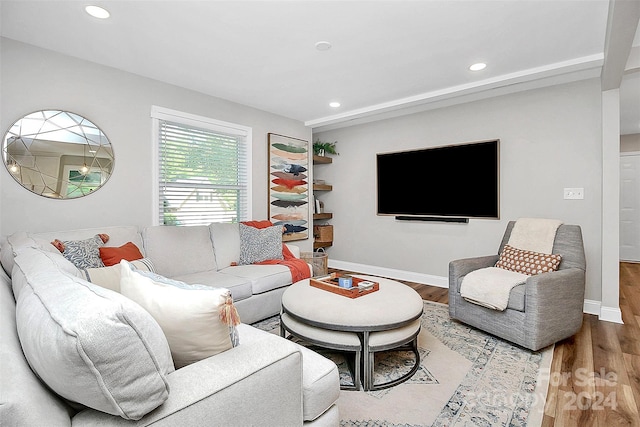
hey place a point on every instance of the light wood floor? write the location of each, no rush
(595, 375)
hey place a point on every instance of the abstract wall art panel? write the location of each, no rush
(289, 185)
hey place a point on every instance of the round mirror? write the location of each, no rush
(57, 154)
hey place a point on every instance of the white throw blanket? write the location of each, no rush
(534, 234)
(490, 287)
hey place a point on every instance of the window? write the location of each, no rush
(203, 172)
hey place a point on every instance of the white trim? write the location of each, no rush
(591, 307)
(592, 64)
(162, 113)
(200, 121)
(611, 314)
(629, 153)
(155, 191)
(249, 140)
(409, 276)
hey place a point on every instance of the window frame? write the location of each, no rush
(161, 113)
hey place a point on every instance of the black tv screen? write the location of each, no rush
(455, 181)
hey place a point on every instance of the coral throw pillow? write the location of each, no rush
(527, 262)
(112, 256)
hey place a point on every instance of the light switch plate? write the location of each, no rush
(574, 193)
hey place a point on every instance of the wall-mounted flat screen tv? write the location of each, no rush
(450, 182)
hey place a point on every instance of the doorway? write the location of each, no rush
(630, 206)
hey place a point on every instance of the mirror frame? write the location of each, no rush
(58, 154)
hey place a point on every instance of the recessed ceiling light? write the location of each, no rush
(479, 66)
(334, 104)
(322, 45)
(97, 12)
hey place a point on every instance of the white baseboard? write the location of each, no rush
(592, 307)
(409, 276)
(609, 314)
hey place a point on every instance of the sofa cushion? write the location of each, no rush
(320, 378)
(118, 235)
(179, 250)
(240, 287)
(260, 244)
(90, 345)
(263, 278)
(13, 243)
(189, 315)
(24, 399)
(226, 243)
(54, 258)
(113, 256)
(109, 277)
(517, 298)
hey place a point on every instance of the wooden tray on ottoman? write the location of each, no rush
(330, 284)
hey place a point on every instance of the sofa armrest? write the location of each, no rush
(251, 383)
(461, 267)
(295, 250)
(553, 306)
(553, 291)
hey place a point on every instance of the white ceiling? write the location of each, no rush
(385, 55)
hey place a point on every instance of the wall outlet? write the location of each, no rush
(574, 193)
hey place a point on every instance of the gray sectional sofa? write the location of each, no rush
(64, 340)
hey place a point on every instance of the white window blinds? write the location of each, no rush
(203, 175)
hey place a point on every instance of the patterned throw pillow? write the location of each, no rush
(260, 244)
(83, 253)
(527, 262)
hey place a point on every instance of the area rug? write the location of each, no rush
(466, 378)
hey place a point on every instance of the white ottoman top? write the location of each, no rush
(393, 305)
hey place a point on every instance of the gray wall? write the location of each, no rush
(120, 104)
(550, 139)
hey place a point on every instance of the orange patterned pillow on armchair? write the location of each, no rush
(527, 262)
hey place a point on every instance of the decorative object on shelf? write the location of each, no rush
(57, 154)
(322, 148)
(320, 215)
(289, 185)
(323, 232)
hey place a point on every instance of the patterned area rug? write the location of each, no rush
(465, 378)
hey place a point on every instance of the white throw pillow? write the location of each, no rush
(109, 277)
(189, 315)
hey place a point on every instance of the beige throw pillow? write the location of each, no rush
(189, 315)
(109, 277)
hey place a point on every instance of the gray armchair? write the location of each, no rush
(545, 309)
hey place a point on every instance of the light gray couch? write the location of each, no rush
(110, 351)
(545, 309)
(201, 254)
